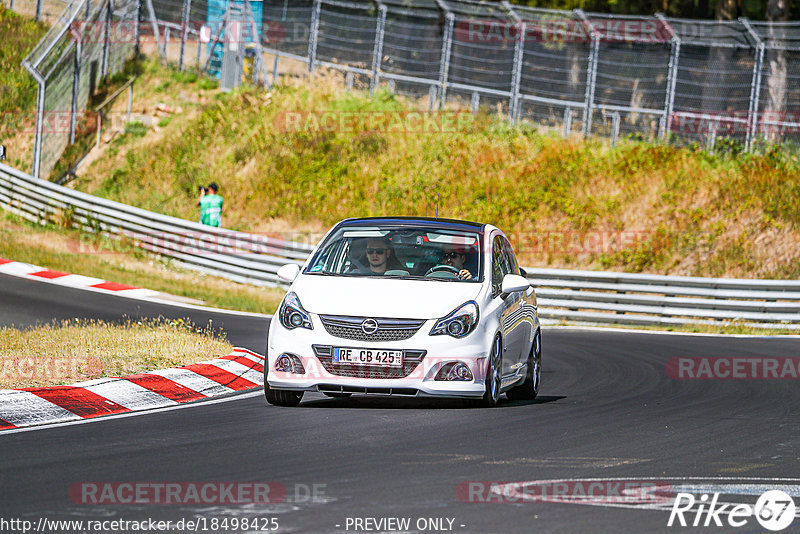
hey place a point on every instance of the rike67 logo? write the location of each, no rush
(774, 510)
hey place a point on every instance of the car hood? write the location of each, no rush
(382, 297)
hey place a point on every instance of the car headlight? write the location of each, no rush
(459, 323)
(292, 315)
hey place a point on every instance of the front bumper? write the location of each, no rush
(310, 346)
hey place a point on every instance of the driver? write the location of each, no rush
(457, 257)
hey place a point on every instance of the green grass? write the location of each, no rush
(702, 214)
(18, 36)
(75, 252)
(135, 129)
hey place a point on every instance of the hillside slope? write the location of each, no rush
(18, 36)
(565, 202)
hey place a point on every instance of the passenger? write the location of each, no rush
(457, 257)
(380, 256)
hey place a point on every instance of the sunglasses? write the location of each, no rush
(451, 255)
(376, 250)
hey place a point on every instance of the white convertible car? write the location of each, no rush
(406, 306)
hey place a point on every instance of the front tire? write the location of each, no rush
(529, 389)
(282, 397)
(494, 369)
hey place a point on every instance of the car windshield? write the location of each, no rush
(401, 251)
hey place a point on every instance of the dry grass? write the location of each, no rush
(691, 213)
(71, 351)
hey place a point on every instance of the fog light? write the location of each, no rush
(455, 371)
(289, 363)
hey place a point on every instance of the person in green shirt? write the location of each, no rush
(210, 205)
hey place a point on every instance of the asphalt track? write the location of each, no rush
(607, 409)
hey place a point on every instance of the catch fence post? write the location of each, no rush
(76, 76)
(519, 51)
(377, 51)
(275, 69)
(444, 64)
(516, 77)
(137, 28)
(591, 73)
(187, 8)
(615, 119)
(37, 141)
(475, 102)
(672, 78)
(107, 37)
(755, 86)
(314, 35)
(567, 131)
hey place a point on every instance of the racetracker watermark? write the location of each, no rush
(557, 30)
(175, 493)
(124, 31)
(734, 122)
(26, 369)
(587, 242)
(197, 243)
(204, 493)
(734, 368)
(401, 122)
(567, 491)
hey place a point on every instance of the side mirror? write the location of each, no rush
(289, 272)
(513, 283)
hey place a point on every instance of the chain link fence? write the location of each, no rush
(87, 41)
(714, 83)
(654, 78)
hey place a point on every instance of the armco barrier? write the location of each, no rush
(584, 296)
(644, 299)
(238, 256)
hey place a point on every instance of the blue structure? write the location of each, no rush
(216, 10)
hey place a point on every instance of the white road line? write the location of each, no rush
(190, 379)
(24, 408)
(134, 293)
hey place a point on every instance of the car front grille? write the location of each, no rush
(388, 329)
(411, 359)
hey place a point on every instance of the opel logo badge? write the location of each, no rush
(369, 326)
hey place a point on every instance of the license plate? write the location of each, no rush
(378, 357)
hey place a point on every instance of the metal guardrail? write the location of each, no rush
(239, 256)
(584, 296)
(642, 299)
